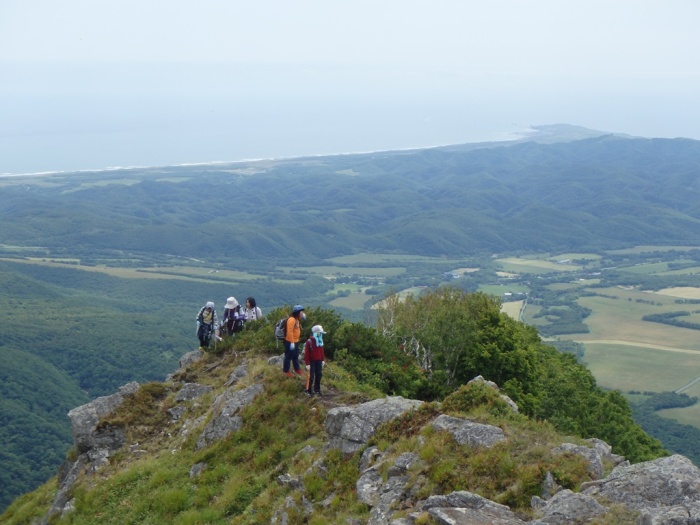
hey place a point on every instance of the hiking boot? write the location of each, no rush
(288, 374)
(308, 393)
(298, 372)
(319, 394)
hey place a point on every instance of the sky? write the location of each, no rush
(94, 84)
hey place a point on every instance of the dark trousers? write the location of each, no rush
(204, 335)
(290, 356)
(315, 373)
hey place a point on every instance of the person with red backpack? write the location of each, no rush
(315, 360)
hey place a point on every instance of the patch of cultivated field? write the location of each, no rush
(330, 271)
(576, 256)
(627, 367)
(682, 292)
(618, 317)
(415, 291)
(461, 271)
(649, 249)
(646, 269)
(512, 309)
(177, 273)
(521, 265)
(377, 258)
(572, 285)
(687, 415)
(499, 289)
(684, 271)
(354, 301)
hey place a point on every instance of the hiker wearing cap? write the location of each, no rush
(315, 360)
(233, 317)
(291, 341)
(206, 322)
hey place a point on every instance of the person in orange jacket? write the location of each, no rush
(291, 341)
(315, 360)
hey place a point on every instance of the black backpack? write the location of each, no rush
(237, 325)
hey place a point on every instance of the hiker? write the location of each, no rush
(291, 341)
(252, 310)
(315, 360)
(206, 323)
(233, 317)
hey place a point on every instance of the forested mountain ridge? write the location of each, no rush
(602, 192)
(88, 333)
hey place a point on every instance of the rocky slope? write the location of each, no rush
(388, 445)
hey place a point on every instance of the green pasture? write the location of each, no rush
(203, 273)
(383, 258)
(686, 416)
(517, 265)
(187, 273)
(619, 318)
(626, 367)
(338, 270)
(499, 289)
(512, 308)
(575, 256)
(346, 287)
(354, 301)
(646, 269)
(684, 271)
(648, 249)
(529, 313)
(572, 285)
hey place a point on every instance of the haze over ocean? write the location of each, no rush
(91, 85)
(204, 114)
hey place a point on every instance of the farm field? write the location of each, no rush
(383, 258)
(628, 367)
(623, 351)
(326, 271)
(541, 266)
(619, 318)
(513, 308)
(687, 416)
(193, 273)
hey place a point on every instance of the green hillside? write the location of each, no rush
(335, 231)
(557, 397)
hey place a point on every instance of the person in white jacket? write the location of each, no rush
(252, 310)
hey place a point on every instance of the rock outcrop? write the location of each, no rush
(664, 491)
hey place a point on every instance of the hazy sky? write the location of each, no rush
(96, 83)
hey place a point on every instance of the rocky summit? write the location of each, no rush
(384, 449)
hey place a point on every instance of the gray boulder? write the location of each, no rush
(569, 508)
(191, 391)
(467, 432)
(226, 408)
(664, 482)
(368, 486)
(190, 357)
(467, 508)
(84, 419)
(390, 496)
(350, 427)
(238, 373)
(596, 469)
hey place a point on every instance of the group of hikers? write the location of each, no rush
(235, 316)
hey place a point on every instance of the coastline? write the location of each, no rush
(507, 137)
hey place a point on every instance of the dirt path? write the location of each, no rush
(643, 345)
